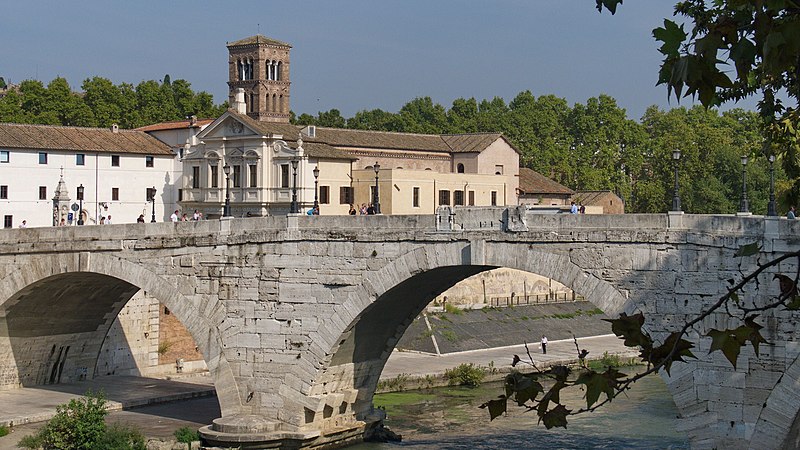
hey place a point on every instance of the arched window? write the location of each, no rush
(460, 168)
(251, 161)
(280, 103)
(240, 69)
(274, 102)
(280, 69)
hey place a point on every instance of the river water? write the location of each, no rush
(449, 418)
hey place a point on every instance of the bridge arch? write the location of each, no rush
(42, 274)
(389, 299)
(778, 424)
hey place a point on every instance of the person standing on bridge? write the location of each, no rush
(544, 344)
(792, 214)
(573, 209)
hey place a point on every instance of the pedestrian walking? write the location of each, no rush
(573, 209)
(792, 214)
(174, 217)
(544, 344)
(108, 220)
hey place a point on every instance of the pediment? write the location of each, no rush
(227, 126)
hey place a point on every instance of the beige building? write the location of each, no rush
(536, 189)
(271, 162)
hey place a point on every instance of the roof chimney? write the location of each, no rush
(193, 121)
(238, 101)
(114, 128)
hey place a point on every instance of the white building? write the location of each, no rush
(115, 168)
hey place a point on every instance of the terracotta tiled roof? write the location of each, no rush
(470, 143)
(288, 131)
(387, 140)
(258, 39)
(49, 137)
(532, 182)
(325, 151)
(176, 125)
(339, 137)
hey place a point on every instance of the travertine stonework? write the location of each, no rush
(296, 316)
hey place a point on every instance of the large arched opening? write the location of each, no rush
(392, 297)
(57, 310)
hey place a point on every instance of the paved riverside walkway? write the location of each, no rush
(37, 404)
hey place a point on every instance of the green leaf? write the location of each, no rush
(610, 5)
(630, 329)
(599, 383)
(523, 387)
(661, 354)
(556, 417)
(496, 407)
(726, 341)
(671, 35)
(748, 250)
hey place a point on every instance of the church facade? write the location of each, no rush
(261, 164)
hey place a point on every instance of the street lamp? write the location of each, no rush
(80, 209)
(153, 199)
(316, 184)
(293, 209)
(744, 205)
(226, 211)
(676, 200)
(376, 204)
(771, 210)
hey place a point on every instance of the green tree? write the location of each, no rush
(421, 115)
(104, 99)
(734, 50)
(376, 119)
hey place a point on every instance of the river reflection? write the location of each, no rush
(450, 418)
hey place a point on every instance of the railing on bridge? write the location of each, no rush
(535, 299)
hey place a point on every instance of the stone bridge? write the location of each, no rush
(296, 316)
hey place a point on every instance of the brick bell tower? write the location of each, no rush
(260, 66)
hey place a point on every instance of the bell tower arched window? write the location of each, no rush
(460, 168)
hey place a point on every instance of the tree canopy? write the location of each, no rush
(102, 103)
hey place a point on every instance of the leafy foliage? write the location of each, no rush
(732, 50)
(102, 103)
(465, 375)
(186, 435)
(79, 424)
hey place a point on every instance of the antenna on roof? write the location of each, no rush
(258, 28)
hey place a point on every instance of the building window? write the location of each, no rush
(42, 192)
(180, 195)
(494, 198)
(253, 174)
(471, 198)
(345, 195)
(214, 170)
(325, 195)
(80, 159)
(114, 160)
(415, 198)
(460, 168)
(284, 175)
(195, 177)
(114, 194)
(498, 169)
(4, 192)
(444, 197)
(458, 198)
(5, 156)
(42, 158)
(148, 161)
(8, 221)
(237, 176)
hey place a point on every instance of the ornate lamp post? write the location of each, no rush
(153, 199)
(80, 199)
(376, 197)
(316, 185)
(771, 210)
(226, 211)
(293, 209)
(744, 206)
(676, 200)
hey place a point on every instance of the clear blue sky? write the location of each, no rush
(350, 54)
